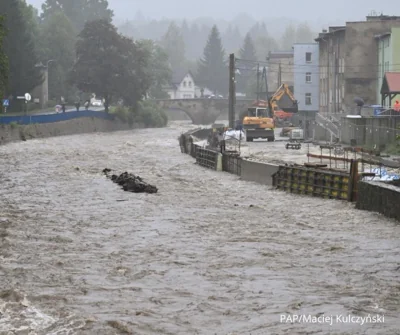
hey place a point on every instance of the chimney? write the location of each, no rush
(324, 30)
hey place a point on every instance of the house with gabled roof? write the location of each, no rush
(182, 85)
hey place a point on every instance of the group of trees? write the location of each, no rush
(211, 66)
(83, 51)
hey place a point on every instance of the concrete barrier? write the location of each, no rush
(258, 172)
(379, 196)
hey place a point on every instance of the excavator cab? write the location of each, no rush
(283, 112)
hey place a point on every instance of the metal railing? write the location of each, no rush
(329, 125)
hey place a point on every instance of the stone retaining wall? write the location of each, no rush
(14, 132)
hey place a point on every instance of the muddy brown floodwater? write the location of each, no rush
(208, 254)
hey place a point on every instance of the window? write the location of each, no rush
(386, 66)
(308, 99)
(190, 84)
(184, 84)
(308, 77)
(187, 96)
(308, 57)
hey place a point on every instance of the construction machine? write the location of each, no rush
(282, 114)
(259, 121)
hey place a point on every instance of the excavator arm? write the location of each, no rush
(280, 92)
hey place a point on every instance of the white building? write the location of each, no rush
(306, 76)
(182, 86)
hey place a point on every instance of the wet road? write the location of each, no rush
(207, 255)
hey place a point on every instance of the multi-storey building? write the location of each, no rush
(306, 76)
(348, 60)
(388, 60)
(280, 69)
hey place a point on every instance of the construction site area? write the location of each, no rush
(270, 143)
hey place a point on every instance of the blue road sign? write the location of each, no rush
(6, 103)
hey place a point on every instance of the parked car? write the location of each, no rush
(215, 97)
(97, 103)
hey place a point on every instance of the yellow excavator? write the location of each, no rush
(282, 114)
(258, 122)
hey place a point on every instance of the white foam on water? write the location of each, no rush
(22, 316)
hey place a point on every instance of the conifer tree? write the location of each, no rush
(212, 68)
(248, 51)
(174, 45)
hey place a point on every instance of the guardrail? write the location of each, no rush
(52, 118)
(328, 125)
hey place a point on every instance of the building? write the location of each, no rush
(388, 59)
(182, 86)
(348, 60)
(306, 76)
(280, 70)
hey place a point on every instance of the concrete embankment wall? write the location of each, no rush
(258, 172)
(380, 197)
(13, 132)
(370, 131)
(372, 196)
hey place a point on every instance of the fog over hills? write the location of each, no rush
(316, 12)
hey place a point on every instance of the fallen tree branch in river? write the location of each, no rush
(130, 182)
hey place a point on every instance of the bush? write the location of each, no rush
(151, 115)
(147, 113)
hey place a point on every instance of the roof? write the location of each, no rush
(281, 54)
(391, 83)
(383, 35)
(332, 31)
(178, 75)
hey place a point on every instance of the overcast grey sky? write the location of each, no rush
(313, 10)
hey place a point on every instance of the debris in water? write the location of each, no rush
(130, 182)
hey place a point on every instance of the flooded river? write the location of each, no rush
(208, 254)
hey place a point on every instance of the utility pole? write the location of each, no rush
(258, 81)
(334, 82)
(328, 79)
(280, 75)
(232, 91)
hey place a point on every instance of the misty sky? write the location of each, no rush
(313, 10)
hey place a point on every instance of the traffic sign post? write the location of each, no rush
(6, 103)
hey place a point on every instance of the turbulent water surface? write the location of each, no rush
(208, 254)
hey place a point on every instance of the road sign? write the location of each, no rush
(28, 97)
(6, 103)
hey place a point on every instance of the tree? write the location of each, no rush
(248, 55)
(78, 11)
(160, 71)
(3, 60)
(19, 47)
(110, 65)
(174, 45)
(232, 39)
(248, 51)
(57, 44)
(212, 68)
(264, 45)
(288, 38)
(304, 34)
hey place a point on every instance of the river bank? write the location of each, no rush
(14, 132)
